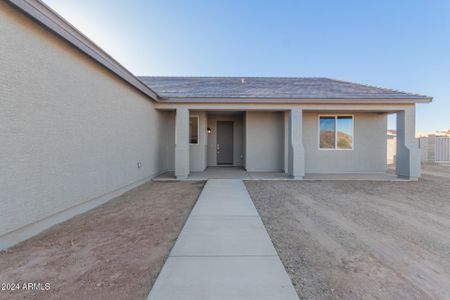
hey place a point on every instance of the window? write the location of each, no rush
(193, 130)
(327, 132)
(336, 132)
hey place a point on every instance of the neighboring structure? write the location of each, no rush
(435, 148)
(391, 146)
(433, 132)
(79, 129)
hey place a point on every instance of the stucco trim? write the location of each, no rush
(332, 108)
(49, 18)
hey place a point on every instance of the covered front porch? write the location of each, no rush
(257, 142)
(285, 142)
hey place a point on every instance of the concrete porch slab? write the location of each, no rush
(240, 173)
(226, 173)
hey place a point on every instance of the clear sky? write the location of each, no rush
(401, 44)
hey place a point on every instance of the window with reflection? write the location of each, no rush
(336, 132)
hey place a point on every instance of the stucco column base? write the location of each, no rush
(182, 143)
(408, 152)
(296, 159)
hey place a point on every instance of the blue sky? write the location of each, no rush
(401, 44)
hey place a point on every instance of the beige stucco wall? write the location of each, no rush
(264, 141)
(369, 153)
(71, 132)
(168, 139)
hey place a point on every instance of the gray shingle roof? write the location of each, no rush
(268, 87)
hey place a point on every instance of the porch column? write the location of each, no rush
(296, 152)
(182, 143)
(408, 152)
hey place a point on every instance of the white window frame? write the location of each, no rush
(198, 130)
(335, 132)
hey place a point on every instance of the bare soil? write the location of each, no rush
(114, 251)
(361, 239)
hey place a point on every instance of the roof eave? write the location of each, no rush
(43, 14)
(296, 100)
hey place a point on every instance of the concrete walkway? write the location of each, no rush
(223, 252)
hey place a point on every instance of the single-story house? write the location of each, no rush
(77, 128)
(293, 125)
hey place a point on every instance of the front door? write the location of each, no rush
(224, 142)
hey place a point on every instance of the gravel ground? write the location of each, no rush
(114, 251)
(440, 170)
(361, 239)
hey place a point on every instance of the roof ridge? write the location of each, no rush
(262, 77)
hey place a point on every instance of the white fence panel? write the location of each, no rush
(442, 149)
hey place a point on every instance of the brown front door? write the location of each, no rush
(224, 142)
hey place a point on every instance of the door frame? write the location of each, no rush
(232, 143)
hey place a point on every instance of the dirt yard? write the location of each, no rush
(361, 239)
(114, 251)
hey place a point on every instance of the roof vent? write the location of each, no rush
(242, 80)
